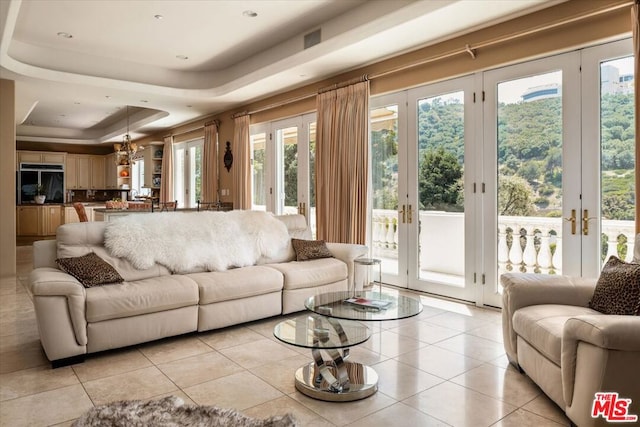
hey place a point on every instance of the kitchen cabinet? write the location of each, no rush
(70, 214)
(38, 220)
(39, 157)
(78, 171)
(110, 172)
(97, 168)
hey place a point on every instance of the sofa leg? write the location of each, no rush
(60, 363)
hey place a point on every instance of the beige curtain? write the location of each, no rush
(210, 164)
(342, 163)
(241, 168)
(166, 180)
(635, 28)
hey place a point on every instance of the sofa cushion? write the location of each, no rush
(542, 325)
(618, 288)
(310, 249)
(217, 286)
(308, 274)
(140, 297)
(90, 270)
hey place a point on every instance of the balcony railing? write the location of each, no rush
(525, 244)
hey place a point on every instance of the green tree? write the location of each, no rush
(384, 161)
(514, 196)
(440, 181)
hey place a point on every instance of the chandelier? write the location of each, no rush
(126, 151)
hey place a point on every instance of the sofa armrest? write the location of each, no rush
(45, 253)
(602, 350)
(526, 289)
(347, 252)
(52, 284)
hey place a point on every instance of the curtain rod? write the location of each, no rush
(467, 49)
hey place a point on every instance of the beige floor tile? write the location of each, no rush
(10, 286)
(286, 405)
(365, 356)
(400, 381)
(110, 363)
(547, 408)
(35, 380)
(25, 357)
(427, 332)
(508, 384)
(199, 369)
(265, 327)
(172, 349)
(398, 415)
(238, 391)
(460, 406)
(47, 408)
(391, 344)
(17, 302)
(501, 361)
(491, 331)
(28, 336)
(229, 337)
(522, 418)
(141, 384)
(458, 321)
(257, 353)
(19, 324)
(472, 346)
(281, 374)
(440, 362)
(346, 412)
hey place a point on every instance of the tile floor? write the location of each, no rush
(445, 367)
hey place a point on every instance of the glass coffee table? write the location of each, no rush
(333, 324)
(336, 379)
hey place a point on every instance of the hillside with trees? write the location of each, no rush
(529, 157)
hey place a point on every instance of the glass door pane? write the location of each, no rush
(287, 143)
(441, 216)
(617, 160)
(258, 143)
(530, 174)
(311, 176)
(384, 172)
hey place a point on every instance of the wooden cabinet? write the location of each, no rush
(97, 167)
(27, 221)
(39, 157)
(38, 220)
(70, 214)
(153, 165)
(78, 171)
(110, 172)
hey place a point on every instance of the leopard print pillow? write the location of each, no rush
(310, 249)
(90, 270)
(618, 288)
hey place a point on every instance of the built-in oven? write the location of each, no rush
(48, 175)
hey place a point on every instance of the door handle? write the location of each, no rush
(410, 215)
(572, 220)
(404, 213)
(585, 221)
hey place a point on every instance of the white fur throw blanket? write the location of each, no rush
(194, 241)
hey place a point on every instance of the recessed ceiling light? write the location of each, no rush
(189, 106)
(144, 100)
(249, 14)
(183, 57)
(107, 96)
(65, 35)
(158, 17)
(76, 103)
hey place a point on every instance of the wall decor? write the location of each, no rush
(228, 157)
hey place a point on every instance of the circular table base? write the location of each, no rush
(363, 382)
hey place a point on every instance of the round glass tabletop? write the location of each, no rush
(364, 306)
(320, 332)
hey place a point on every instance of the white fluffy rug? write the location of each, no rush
(191, 241)
(171, 412)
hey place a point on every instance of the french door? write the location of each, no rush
(526, 168)
(187, 172)
(282, 161)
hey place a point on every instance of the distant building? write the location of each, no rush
(542, 92)
(612, 82)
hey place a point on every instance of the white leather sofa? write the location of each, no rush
(568, 349)
(153, 303)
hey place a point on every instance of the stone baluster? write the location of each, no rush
(503, 249)
(515, 252)
(631, 240)
(557, 256)
(544, 255)
(529, 254)
(612, 243)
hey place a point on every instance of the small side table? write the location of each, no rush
(360, 263)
